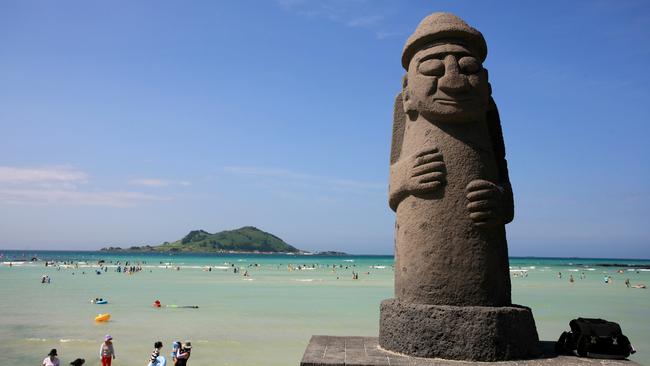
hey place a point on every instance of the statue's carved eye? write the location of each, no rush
(469, 65)
(431, 67)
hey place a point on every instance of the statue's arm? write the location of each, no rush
(490, 203)
(498, 146)
(421, 172)
(398, 184)
(507, 203)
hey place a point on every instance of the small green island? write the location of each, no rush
(247, 239)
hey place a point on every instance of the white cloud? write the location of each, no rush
(364, 21)
(60, 185)
(155, 182)
(313, 180)
(385, 35)
(71, 197)
(9, 174)
(352, 13)
(290, 4)
(150, 182)
(252, 170)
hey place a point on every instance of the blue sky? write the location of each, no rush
(128, 123)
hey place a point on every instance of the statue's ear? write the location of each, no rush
(487, 77)
(399, 124)
(409, 108)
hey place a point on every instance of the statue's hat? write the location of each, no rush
(439, 27)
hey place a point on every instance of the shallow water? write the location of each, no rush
(268, 317)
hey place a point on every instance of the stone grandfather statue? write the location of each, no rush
(450, 190)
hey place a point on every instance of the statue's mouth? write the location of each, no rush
(453, 101)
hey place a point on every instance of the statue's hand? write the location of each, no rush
(485, 201)
(426, 172)
(420, 173)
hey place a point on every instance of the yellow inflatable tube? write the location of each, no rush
(102, 317)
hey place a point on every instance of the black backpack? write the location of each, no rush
(595, 338)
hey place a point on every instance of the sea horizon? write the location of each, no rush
(127, 252)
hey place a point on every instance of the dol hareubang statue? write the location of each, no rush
(450, 190)
(449, 180)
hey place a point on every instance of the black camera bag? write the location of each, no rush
(594, 338)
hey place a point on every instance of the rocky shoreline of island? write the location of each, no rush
(145, 249)
(245, 240)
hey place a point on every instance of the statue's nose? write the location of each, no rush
(453, 81)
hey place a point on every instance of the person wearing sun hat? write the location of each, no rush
(106, 351)
(183, 354)
(51, 359)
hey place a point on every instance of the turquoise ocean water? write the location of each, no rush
(267, 317)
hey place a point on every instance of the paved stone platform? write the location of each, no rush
(365, 351)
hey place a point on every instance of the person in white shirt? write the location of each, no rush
(51, 359)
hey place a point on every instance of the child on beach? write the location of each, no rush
(51, 359)
(106, 351)
(156, 352)
(175, 347)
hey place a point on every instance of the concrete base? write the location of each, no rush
(472, 333)
(365, 351)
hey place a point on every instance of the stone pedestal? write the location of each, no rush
(477, 333)
(365, 351)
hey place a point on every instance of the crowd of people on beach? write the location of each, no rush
(180, 354)
(129, 268)
(607, 279)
